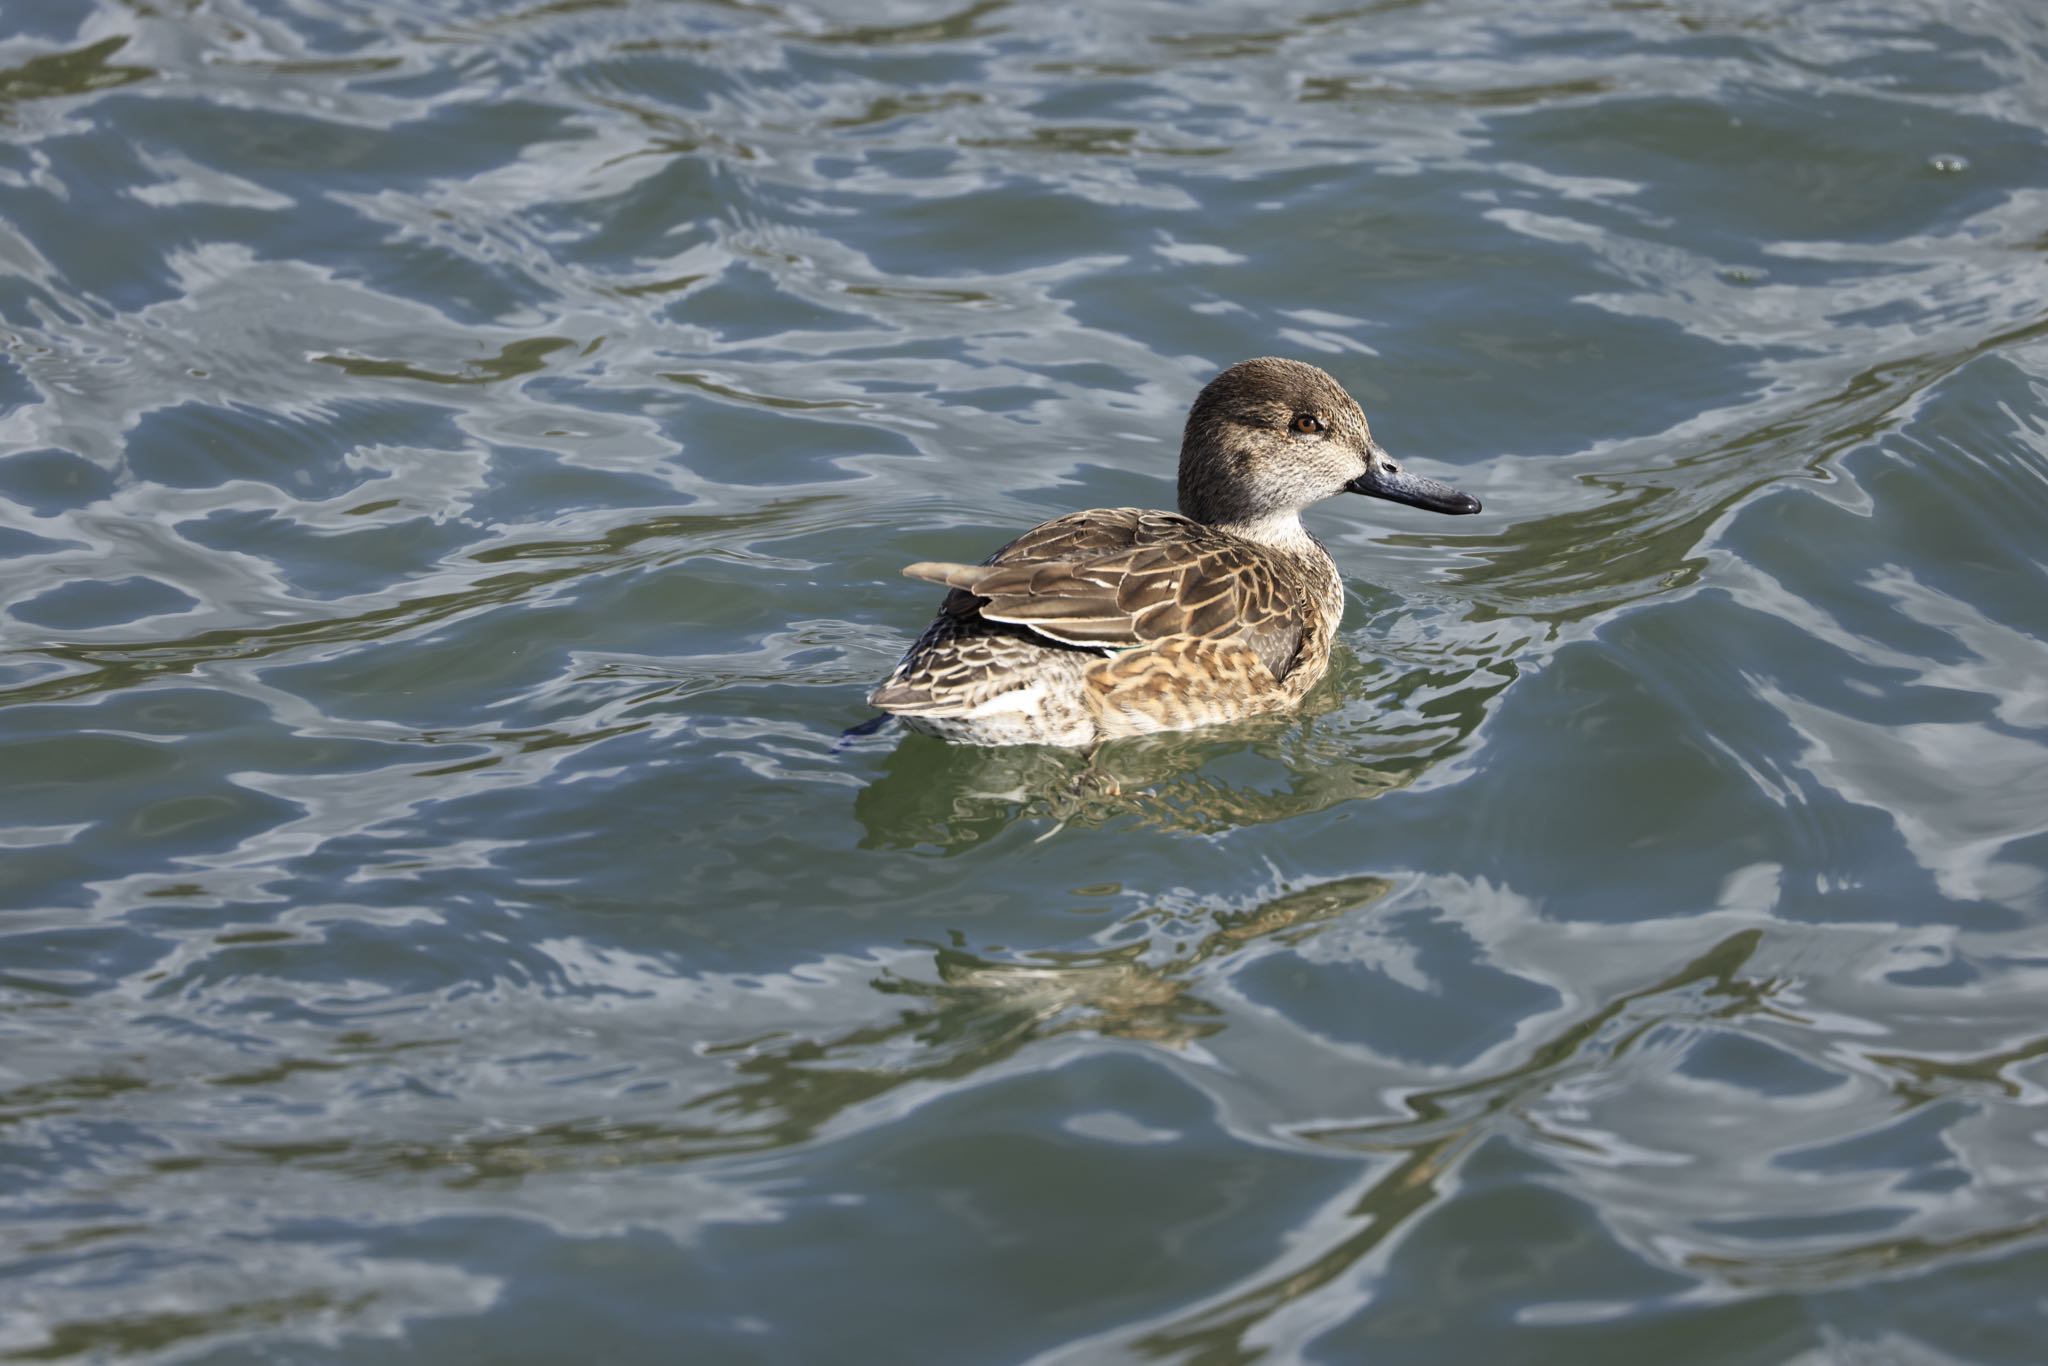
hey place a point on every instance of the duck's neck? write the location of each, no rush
(1280, 530)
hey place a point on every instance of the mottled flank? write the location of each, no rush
(1123, 621)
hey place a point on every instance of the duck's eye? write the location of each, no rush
(1308, 424)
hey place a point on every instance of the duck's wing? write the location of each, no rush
(1112, 578)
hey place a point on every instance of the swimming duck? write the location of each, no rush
(1126, 621)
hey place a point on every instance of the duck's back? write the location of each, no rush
(1115, 621)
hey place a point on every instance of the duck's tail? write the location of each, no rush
(943, 572)
(861, 731)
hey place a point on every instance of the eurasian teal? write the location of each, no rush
(1124, 621)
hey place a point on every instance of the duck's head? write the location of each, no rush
(1268, 437)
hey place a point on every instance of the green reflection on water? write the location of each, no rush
(526, 357)
(79, 72)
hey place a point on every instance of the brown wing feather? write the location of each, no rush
(1112, 578)
(963, 660)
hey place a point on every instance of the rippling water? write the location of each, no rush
(454, 464)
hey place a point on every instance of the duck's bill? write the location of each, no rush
(1397, 485)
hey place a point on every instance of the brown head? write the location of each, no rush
(1268, 437)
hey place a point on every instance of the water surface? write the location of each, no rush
(455, 461)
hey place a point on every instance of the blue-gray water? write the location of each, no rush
(454, 464)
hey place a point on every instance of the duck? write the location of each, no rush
(1115, 622)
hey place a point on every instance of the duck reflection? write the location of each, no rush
(974, 1013)
(1115, 992)
(981, 1011)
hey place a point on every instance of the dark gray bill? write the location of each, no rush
(1393, 482)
